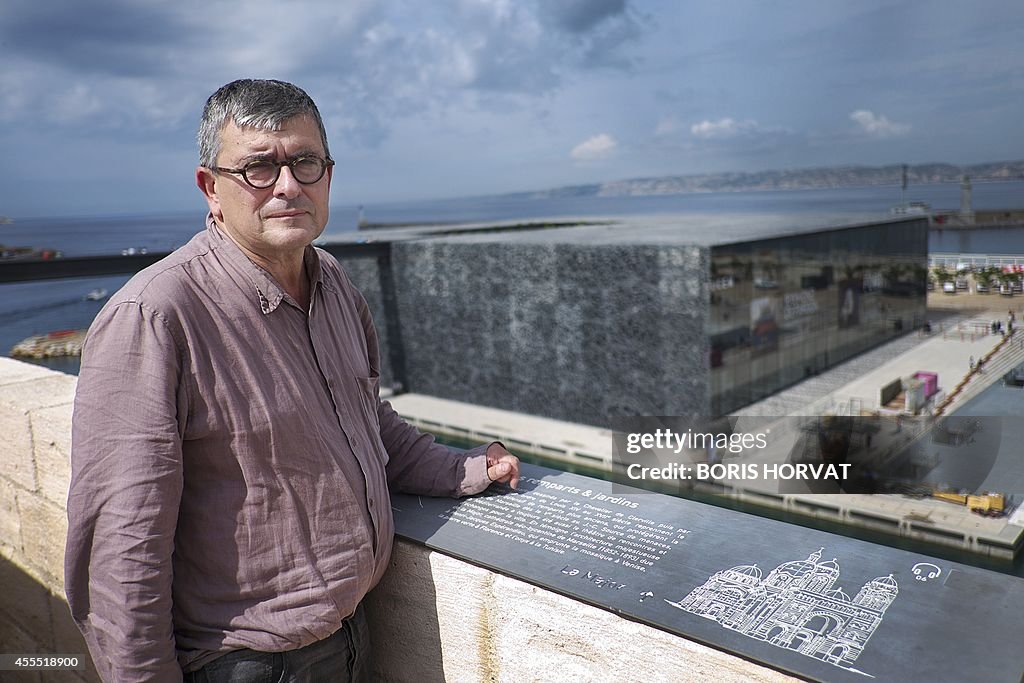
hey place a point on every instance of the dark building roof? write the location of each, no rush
(705, 230)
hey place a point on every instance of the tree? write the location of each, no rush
(941, 275)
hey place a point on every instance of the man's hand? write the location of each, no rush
(502, 466)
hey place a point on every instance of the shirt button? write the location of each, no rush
(371, 502)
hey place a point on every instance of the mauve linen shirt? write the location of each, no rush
(230, 464)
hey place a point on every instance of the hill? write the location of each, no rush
(794, 179)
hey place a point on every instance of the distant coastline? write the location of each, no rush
(4, 220)
(833, 177)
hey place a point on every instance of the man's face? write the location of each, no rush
(283, 218)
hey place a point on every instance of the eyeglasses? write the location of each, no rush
(264, 173)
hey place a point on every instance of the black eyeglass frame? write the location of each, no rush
(290, 163)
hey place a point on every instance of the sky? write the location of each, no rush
(99, 100)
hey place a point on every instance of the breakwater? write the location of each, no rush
(52, 345)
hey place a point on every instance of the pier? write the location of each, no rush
(51, 345)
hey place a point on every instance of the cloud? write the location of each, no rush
(727, 128)
(530, 46)
(106, 36)
(878, 126)
(368, 63)
(595, 148)
(666, 126)
(579, 16)
(595, 31)
(79, 102)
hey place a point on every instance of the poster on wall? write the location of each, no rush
(764, 329)
(800, 311)
(849, 302)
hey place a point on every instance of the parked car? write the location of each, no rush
(948, 287)
(980, 287)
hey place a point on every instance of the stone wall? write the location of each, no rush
(572, 331)
(35, 443)
(441, 619)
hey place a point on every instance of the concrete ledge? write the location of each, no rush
(44, 528)
(434, 618)
(51, 450)
(34, 619)
(35, 442)
(442, 619)
(10, 521)
(16, 440)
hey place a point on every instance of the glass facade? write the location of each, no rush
(784, 309)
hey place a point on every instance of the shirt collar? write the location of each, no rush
(268, 293)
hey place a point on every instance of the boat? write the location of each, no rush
(911, 209)
(97, 294)
(27, 253)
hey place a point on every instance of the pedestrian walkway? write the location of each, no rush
(1005, 358)
(947, 351)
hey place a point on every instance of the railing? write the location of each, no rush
(27, 270)
(974, 260)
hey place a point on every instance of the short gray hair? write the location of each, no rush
(254, 103)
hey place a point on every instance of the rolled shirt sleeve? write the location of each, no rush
(126, 484)
(417, 464)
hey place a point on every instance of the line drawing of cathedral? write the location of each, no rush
(796, 607)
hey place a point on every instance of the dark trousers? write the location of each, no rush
(344, 657)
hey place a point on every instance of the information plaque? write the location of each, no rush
(807, 602)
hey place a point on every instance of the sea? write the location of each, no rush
(31, 308)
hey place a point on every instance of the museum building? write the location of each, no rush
(692, 315)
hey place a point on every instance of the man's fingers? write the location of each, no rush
(498, 471)
(505, 471)
(502, 466)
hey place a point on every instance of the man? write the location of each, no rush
(231, 457)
